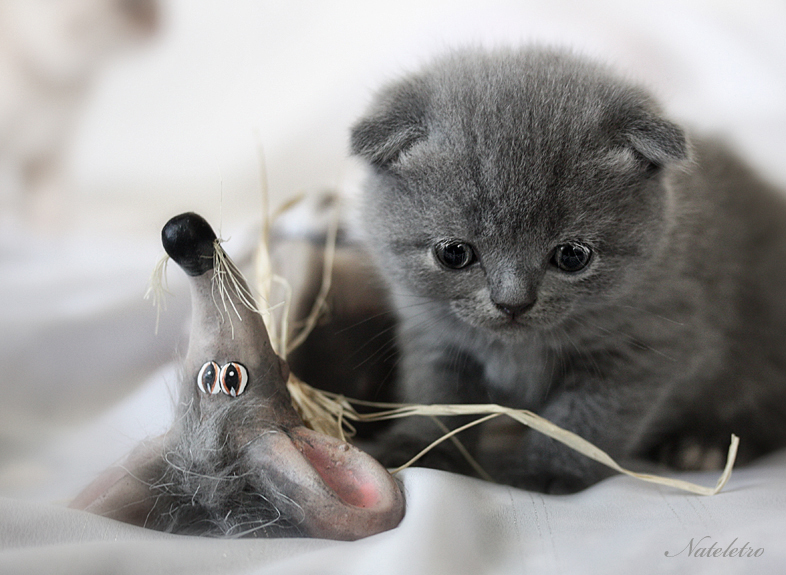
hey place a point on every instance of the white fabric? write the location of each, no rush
(83, 377)
(453, 525)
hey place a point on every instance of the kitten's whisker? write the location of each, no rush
(583, 353)
(372, 339)
(628, 338)
(392, 346)
(383, 349)
(365, 320)
(651, 313)
(378, 315)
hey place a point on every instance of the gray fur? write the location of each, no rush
(209, 485)
(675, 333)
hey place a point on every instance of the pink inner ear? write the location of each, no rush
(343, 492)
(341, 470)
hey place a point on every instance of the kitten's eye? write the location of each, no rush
(207, 379)
(454, 254)
(234, 378)
(572, 257)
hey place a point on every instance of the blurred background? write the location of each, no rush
(181, 120)
(118, 114)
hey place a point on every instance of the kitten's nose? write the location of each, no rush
(514, 310)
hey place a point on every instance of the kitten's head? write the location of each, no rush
(518, 188)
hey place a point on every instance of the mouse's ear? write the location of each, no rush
(125, 492)
(395, 122)
(658, 141)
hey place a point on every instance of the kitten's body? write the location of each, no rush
(674, 332)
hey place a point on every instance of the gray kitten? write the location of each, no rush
(551, 242)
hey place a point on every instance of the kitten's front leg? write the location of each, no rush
(433, 377)
(601, 416)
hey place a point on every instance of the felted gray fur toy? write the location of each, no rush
(238, 460)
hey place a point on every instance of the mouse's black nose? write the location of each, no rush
(188, 239)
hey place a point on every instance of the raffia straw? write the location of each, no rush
(318, 405)
(482, 473)
(331, 414)
(264, 268)
(157, 288)
(280, 344)
(320, 302)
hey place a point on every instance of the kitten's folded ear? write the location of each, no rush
(659, 141)
(395, 122)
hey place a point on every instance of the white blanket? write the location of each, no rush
(453, 525)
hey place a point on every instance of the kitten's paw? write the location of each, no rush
(546, 467)
(549, 483)
(693, 454)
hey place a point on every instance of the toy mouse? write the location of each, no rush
(238, 460)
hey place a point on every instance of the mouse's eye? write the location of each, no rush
(207, 379)
(454, 254)
(234, 378)
(572, 257)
